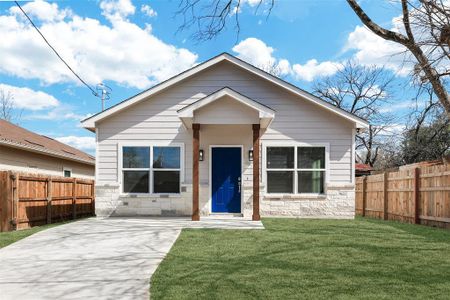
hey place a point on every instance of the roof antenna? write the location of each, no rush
(104, 91)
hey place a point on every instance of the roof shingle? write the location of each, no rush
(15, 136)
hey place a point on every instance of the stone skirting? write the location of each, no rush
(109, 202)
(339, 202)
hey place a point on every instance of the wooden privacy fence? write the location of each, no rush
(28, 200)
(419, 195)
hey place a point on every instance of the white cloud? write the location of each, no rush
(252, 3)
(254, 51)
(27, 98)
(313, 69)
(393, 130)
(43, 11)
(374, 90)
(84, 143)
(237, 9)
(405, 106)
(63, 112)
(371, 49)
(147, 10)
(259, 54)
(117, 9)
(121, 51)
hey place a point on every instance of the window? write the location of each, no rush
(311, 169)
(136, 169)
(166, 169)
(295, 169)
(162, 175)
(280, 170)
(67, 172)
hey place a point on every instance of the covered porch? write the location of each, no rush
(226, 129)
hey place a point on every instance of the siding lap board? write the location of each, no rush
(156, 119)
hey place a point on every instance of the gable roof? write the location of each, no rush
(89, 123)
(17, 137)
(266, 114)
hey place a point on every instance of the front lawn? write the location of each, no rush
(309, 259)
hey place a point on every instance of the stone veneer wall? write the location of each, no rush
(109, 202)
(338, 203)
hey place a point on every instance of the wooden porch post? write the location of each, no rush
(195, 178)
(256, 155)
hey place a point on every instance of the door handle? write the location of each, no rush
(239, 184)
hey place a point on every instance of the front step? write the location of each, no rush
(226, 215)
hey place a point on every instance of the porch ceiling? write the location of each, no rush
(263, 114)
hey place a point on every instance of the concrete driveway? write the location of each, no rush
(111, 258)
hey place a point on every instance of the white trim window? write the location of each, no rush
(296, 169)
(151, 169)
(166, 168)
(67, 172)
(136, 169)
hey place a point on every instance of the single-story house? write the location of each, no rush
(362, 169)
(25, 151)
(225, 137)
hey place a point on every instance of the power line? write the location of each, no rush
(56, 52)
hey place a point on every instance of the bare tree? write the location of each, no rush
(211, 17)
(273, 68)
(427, 134)
(426, 35)
(426, 32)
(362, 91)
(7, 108)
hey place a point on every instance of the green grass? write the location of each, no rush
(308, 259)
(10, 237)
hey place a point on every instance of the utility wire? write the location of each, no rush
(56, 52)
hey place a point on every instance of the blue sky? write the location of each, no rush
(131, 45)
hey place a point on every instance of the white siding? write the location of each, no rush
(226, 111)
(156, 119)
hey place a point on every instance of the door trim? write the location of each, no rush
(210, 176)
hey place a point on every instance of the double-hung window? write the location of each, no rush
(136, 169)
(166, 170)
(295, 169)
(151, 169)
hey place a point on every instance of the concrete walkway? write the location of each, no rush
(111, 258)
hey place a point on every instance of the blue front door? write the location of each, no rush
(226, 180)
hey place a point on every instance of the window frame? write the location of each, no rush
(64, 171)
(295, 169)
(120, 173)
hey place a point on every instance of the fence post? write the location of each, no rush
(74, 198)
(93, 197)
(385, 195)
(15, 200)
(364, 195)
(416, 195)
(6, 205)
(49, 199)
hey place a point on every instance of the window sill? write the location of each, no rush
(131, 196)
(295, 196)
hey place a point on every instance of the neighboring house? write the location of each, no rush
(225, 137)
(25, 151)
(362, 169)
